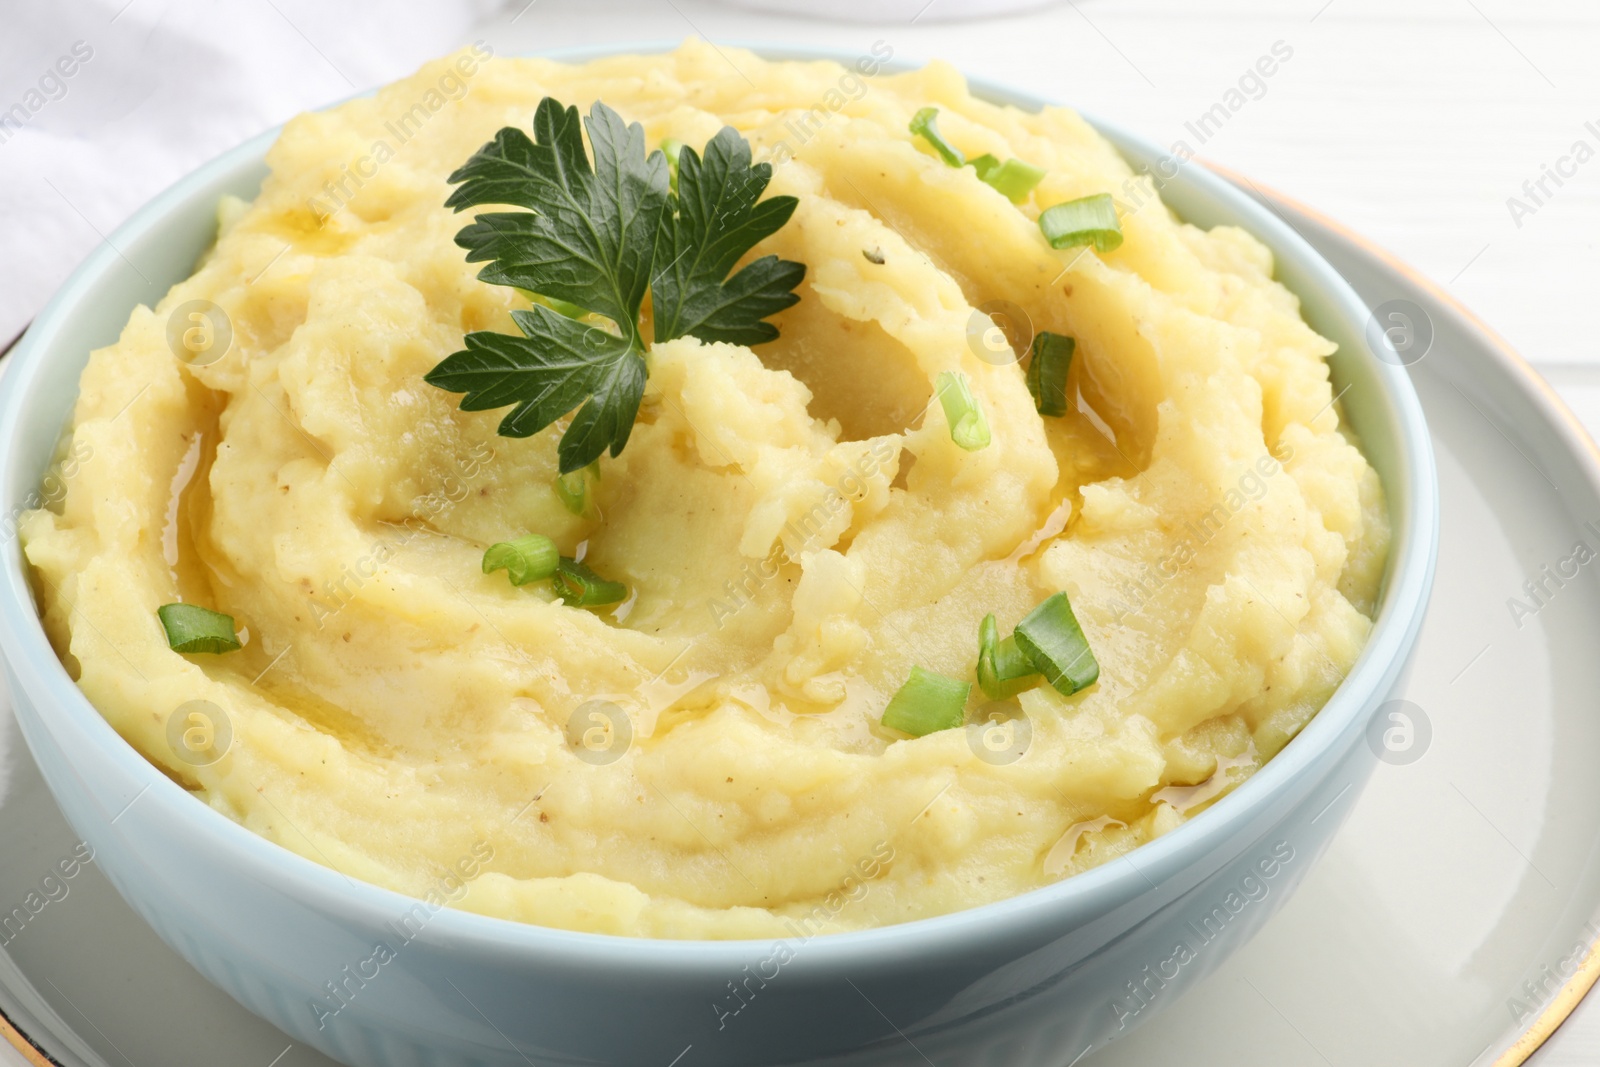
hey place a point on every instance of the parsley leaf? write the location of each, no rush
(554, 367)
(597, 238)
(588, 235)
(715, 219)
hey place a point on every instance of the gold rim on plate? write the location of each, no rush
(24, 1044)
(1583, 979)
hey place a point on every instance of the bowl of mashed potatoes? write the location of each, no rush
(926, 604)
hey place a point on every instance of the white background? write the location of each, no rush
(1411, 121)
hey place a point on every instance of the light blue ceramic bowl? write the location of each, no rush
(1034, 980)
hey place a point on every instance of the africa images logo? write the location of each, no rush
(1251, 888)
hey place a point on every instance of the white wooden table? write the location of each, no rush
(1412, 121)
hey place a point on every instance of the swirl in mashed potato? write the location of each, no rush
(794, 523)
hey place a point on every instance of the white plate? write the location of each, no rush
(1466, 870)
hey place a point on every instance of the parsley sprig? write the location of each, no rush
(599, 237)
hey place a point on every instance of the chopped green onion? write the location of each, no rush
(573, 489)
(191, 628)
(925, 124)
(1051, 637)
(1047, 372)
(581, 587)
(1089, 220)
(671, 149)
(535, 557)
(528, 559)
(1003, 668)
(560, 307)
(928, 702)
(983, 164)
(1013, 178)
(968, 427)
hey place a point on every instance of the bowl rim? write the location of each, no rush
(1414, 514)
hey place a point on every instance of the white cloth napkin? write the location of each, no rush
(104, 103)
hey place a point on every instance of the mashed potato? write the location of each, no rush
(794, 523)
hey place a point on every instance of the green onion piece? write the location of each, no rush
(928, 702)
(573, 489)
(1003, 669)
(1047, 372)
(191, 628)
(560, 307)
(1089, 220)
(1013, 178)
(581, 587)
(528, 559)
(1051, 637)
(968, 427)
(925, 124)
(671, 150)
(984, 165)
